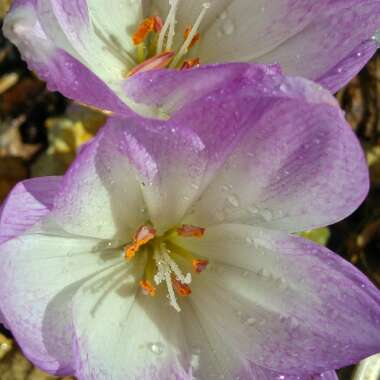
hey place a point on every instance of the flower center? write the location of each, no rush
(154, 41)
(166, 263)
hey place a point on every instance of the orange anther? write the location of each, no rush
(158, 23)
(157, 62)
(199, 265)
(142, 236)
(182, 289)
(150, 24)
(147, 288)
(195, 39)
(187, 230)
(190, 63)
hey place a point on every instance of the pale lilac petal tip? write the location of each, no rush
(336, 42)
(27, 203)
(291, 305)
(57, 64)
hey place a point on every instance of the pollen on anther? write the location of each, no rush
(190, 63)
(199, 265)
(187, 230)
(182, 289)
(150, 24)
(195, 39)
(142, 236)
(147, 288)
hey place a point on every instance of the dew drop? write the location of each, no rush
(228, 27)
(223, 15)
(253, 209)
(194, 361)
(226, 187)
(157, 348)
(266, 214)
(233, 200)
(250, 321)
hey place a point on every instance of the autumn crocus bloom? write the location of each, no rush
(91, 50)
(166, 251)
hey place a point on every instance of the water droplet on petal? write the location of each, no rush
(228, 27)
(233, 200)
(157, 348)
(266, 214)
(223, 15)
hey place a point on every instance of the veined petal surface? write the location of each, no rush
(281, 302)
(27, 203)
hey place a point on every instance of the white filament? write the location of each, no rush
(193, 32)
(169, 23)
(178, 273)
(166, 266)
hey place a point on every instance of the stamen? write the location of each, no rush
(150, 24)
(187, 230)
(147, 288)
(142, 236)
(195, 39)
(161, 267)
(190, 63)
(182, 289)
(171, 33)
(168, 271)
(157, 62)
(199, 265)
(175, 268)
(169, 22)
(184, 48)
(172, 297)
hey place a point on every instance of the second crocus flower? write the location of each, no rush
(92, 50)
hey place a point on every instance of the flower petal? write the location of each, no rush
(244, 30)
(40, 273)
(299, 166)
(27, 203)
(282, 302)
(345, 50)
(267, 374)
(100, 196)
(293, 34)
(53, 58)
(143, 333)
(170, 90)
(176, 159)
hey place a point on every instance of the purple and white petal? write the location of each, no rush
(335, 46)
(170, 90)
(261, 373)
(282, 302)
(327, 41)
(145, 336)
(53, 58)
(27, 203)
(40, 273)
(298, 166)
(100, 195)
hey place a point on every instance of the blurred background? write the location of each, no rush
(41, 133)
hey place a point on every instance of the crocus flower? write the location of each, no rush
(90, 50)
(166, 251)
